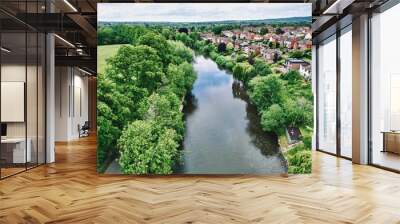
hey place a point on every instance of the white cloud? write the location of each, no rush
(198, 12)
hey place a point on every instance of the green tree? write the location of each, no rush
(229, 48)
(181, 78)
(265, 91)
(296, 54)
(229, 63)
(298, 112)
(158, 43)
(273, 118)
(292, 77)
(241, 58)
(143, 85)
(299, 159)
(217, 29)
(186, 39)
(167, 33)
(139, 66)
(220, 61)
(221, 47)
(180, 53)
(279, 31)
(146, 150)
(209, 49)
(164, 110)
(261, 67)
(244, 71)
(263, 30)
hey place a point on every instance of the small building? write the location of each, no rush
(293, 135)
(305, 71)
(294, 63)
(308, 36)
(258, 37)
(255, 48)
(227, 33)
(270, 55)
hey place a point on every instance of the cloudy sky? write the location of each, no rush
(198, 12)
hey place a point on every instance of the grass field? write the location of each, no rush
(104, 52)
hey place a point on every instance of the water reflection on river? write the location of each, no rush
(223, 134)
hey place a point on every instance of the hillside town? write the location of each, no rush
(273, 44)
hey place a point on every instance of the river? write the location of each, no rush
(223, 133)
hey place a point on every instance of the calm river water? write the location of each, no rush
(223, 133)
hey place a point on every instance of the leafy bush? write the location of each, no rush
(180, 53)
(159, 44)
(265, 91)
(145, 149)
(214, 55)
(241, 58)
(229, 64)
(273, 118)
(298, 112)
(244, 72)
(292, 77)
(307, 140)
(296, 54)
(120, 34)
(164, 110)
(180, 77)
(299, 160)
(220, 60)
(261, 67)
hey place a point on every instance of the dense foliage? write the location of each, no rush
(140, 100)
(145, 83)
(283, 100)
(119, 34)
(299, 159)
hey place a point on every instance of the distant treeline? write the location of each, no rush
(280, 21)
(127, 33)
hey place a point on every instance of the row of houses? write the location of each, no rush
(250, 42)
(294, 42)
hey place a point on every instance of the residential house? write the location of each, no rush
(227, 33)
(294, 63)
(255, 49)
(305, 71)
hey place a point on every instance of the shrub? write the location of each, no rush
(261, 67)
(220, 60)
(241, 58)
(299, 160)
(265, 91)
(307, 140)
(272, 119)
(244, 72)
(145, 149)
(213, 55)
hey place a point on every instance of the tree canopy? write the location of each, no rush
(139, 103)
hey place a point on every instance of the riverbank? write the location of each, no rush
(223, 133)
(277, 108)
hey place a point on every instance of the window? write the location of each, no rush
(385, 89)
(22, 77)
(327, 95)
(346, 92)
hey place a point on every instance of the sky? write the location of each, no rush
(198, 12)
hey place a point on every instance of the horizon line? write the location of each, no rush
(156, 21)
